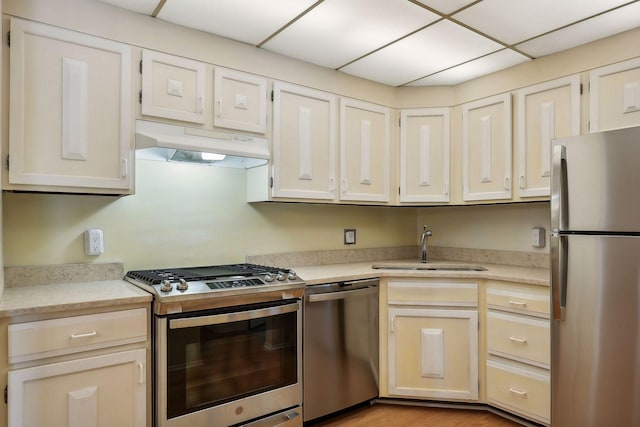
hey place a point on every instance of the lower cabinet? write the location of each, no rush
(429, 340)
(106, 390)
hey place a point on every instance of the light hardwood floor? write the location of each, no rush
(386, 415)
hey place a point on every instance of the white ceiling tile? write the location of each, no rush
(339, 31)
(515, 21)
(249, 21)
(596, 28)
(491, 63)
(437, 47)
(446, 6)
(146, 7)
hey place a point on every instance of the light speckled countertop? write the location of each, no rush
(314, 275)
(69, 296)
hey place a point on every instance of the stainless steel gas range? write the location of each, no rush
(228, 345)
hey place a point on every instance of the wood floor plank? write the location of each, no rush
(386, 415)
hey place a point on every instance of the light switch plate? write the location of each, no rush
(349, 236)
(537, 237)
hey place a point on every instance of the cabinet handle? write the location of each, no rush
(85, 335)
(518, 303)
(200, 104)
(124, 172)
(140, 373)
(518, 340)
(506, 183)
(518, 392)
(393, 323)
(344, 185)
(219, 102)
(445, 188)
(332, 184)
(522, 182)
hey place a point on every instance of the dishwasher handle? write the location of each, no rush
(338, 295)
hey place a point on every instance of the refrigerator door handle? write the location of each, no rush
(558, 189)
(559, 253)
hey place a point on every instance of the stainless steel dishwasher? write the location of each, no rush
(340, 346)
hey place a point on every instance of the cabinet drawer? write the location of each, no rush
(520, 390)
(47, 338)
(519, 302)
(456, 294)
(519, 338)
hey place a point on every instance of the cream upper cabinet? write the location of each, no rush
(545, 111)
(615, 96)
(486, 149)
(304, 143)
(70, 116)
(173, 87)
(424, 155)
(240, 101)
(365, 147)
(429, 339)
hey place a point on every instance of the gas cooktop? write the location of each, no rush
(192, 281)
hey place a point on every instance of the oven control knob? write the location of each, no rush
(166, 286)
(292, 275)
(281, 276)
(183, 285)
(269, 277)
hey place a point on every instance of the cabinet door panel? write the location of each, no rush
(303, 143)
(172, 87)
(240, 101)
(424, 155)
(364, 151)
(486, 144)
(101, 391)
(615, 96)
(70, 109)
(433, 353)
(545, 111)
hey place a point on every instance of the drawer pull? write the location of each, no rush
(87, 335)
(518, 340)
(518, 392)
(518, 303)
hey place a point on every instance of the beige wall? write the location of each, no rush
(186, 214)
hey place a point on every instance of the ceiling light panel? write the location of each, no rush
(339, 31)
(488, 64)
(435, 48)
(446, 6)
(249, 21)
(515, 21)
(622, 19)
(146, 7)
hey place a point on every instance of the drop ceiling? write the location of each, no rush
(403, 42)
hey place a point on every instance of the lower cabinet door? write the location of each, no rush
(101, 391)
(433, 353)
(523, 391)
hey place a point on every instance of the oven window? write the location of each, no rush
(213, 364)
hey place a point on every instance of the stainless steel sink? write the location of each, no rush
(429, 266)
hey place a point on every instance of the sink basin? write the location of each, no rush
(435, 266)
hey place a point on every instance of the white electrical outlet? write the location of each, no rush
(93, 242)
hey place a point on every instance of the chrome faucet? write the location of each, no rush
(423, 240)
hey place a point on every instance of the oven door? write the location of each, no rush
(226, 366)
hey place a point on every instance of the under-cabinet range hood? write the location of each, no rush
(160, 141)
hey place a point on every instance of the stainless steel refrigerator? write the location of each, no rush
(595, 280)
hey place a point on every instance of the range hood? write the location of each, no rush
(161, 141)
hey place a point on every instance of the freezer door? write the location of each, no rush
(595, 364)
(601, 181)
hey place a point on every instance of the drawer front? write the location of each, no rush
(47, 338)
(519, 390)
(519, 302)
(519, 337)
(456, 294)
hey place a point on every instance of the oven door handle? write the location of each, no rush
(217, 319)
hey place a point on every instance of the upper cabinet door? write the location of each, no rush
(240, 101)
(70, 111)
(304, 143)
(364, 151)
(545, 111)
(173, 87)
(424, 155)
(615, 96)
(486, 149)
